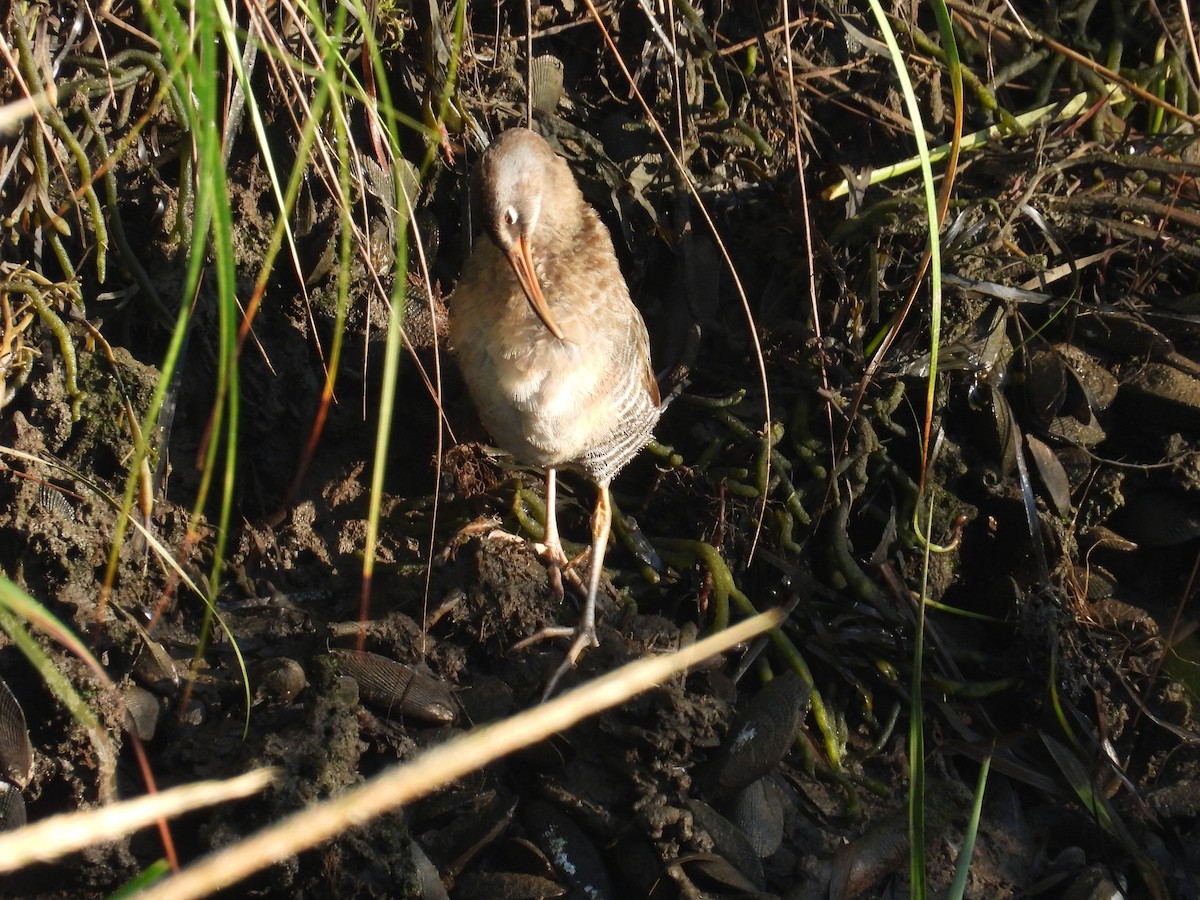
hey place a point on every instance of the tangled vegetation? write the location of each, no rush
(920, 283)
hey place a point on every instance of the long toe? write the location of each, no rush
(550, 631)
(584, 638)
(559, 566)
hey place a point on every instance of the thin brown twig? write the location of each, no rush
(1075, 56)
(806, 220)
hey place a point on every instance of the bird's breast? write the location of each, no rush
(536, 395)
(579, 401)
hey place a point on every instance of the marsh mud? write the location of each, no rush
(1055, 533)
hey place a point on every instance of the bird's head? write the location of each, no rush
(531, 207)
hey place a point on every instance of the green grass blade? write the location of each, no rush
(962, 869)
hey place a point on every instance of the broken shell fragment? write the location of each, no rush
(546, 74)
(12, 807)
(397, 689)
(16, 751)
(155, 668)
(143, 710)
(53, 501)
(195, 713)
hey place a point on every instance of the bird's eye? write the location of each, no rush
(510, 216)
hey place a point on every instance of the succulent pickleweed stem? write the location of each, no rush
(684, 553)
(525, 502)
(35, 294)
(54, 119)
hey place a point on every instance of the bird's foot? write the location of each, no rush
(559, 566)
(584, 637)
(553, 557)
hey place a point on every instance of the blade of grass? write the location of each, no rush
(15, 606)
(962, 869)
(917, 877)
(395, 337)
(192, 51)
(1104, 813)
(916, 739)
(148, 876)
(328, 94)
(1054, 112)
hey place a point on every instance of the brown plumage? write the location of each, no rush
(554, 352)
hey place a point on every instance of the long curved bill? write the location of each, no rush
(522, 265)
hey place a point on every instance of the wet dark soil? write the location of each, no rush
(1059, 644)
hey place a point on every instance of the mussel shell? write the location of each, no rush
(860, 864)
(506, 886)
(636, 863)
(432, 887)
(1178, 800)
(712, 875)
(456, 844)
(729, 842)
(1161, 395)
(761, 734)
(12, 807)
(1087, 376)
(16, 751)
(1104, 538)
(1127, 335)
(757, 810)
(1045, 385)
(569, 849)
(1053, 476)
(397, 689)
(1159, 517)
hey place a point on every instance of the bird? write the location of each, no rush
(554, 352)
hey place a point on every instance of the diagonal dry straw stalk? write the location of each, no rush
(57, 836)
(441, 765)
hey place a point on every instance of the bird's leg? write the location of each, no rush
(585, 632)
(551, 548)
(550, 537)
